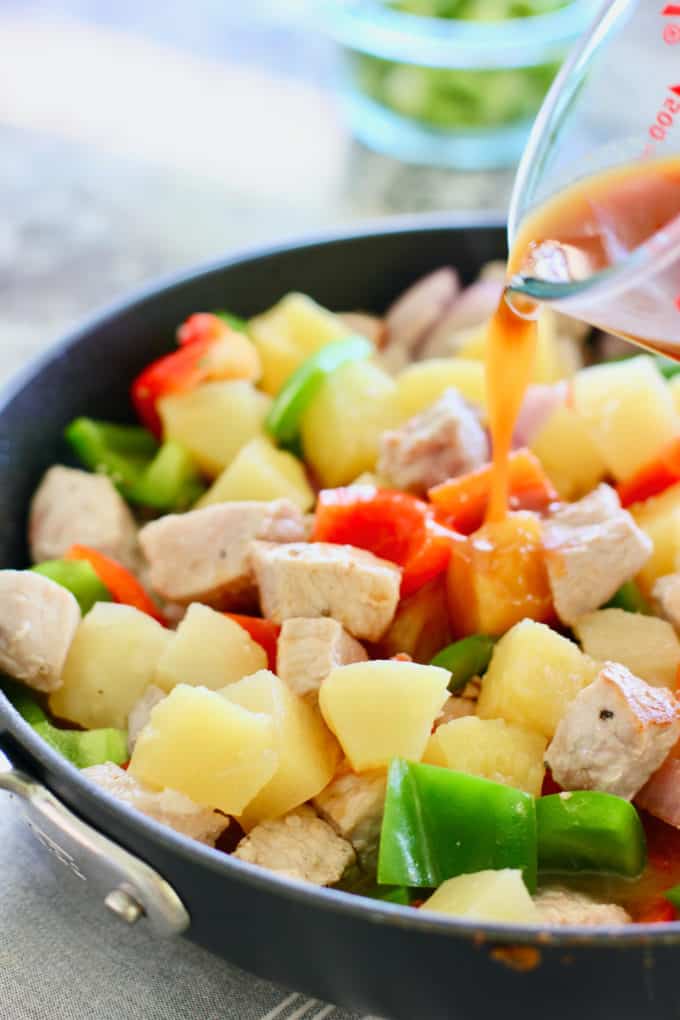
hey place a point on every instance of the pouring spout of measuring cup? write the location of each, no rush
(636, 299)
(603, 160)
(551, 271)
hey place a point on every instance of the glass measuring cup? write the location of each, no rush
(616, 102)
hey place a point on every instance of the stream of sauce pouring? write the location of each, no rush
(593, 224)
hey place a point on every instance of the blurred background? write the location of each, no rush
(137, 138)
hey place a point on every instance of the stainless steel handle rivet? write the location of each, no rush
(129, 887)
(124, 906)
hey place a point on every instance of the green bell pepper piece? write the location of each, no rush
(362, 883)
(79, 577)
(170, 482)
(589, 831)
(673, 896)
(392, 894)
(465, 658)
(630, 598)
(120, 451)
(235, 321)
(439, 823)
(283, 420)
(667, 366)
(162, 477)
(81, 747)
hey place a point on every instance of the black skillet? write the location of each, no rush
(384, 959)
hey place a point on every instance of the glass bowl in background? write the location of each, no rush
(449, 92)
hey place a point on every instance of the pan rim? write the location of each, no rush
(328, 900)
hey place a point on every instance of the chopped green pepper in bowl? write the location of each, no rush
(451, 82)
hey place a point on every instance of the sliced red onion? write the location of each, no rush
(661, 794)
(412, 315)
(539, 403)
(611, 347)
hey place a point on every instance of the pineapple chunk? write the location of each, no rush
(497, 577)
(533, 677)
(261, 472)
(490, 748)
(382, 710)
(486, 896)
(109, 665)
(472, 343)
(646, 645)
(208, 650)
(570, 458)
(308, 755)
(204, 746)
(288, 333)
(214, 421)
(420, 626)
(343, 424)
(423, 383)
(628, 410)
(550, 364)
(660, 519)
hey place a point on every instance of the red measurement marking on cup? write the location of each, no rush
(665, 119)
(671, 10)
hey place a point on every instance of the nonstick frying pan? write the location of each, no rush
(377, 957)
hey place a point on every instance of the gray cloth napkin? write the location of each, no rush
(64, 957)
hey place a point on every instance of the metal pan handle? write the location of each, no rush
(129, 887)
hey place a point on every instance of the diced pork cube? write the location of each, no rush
(592, 547)
(557, 905)
(666, 596)
(141, 713)
(353, 804)
(308, 649)
(415, 312)
(352, 586)
(595, 508)
(38, 620)
(76, 507)
(615, 734)
(300, 845)
(441, 442)
(169, 807)
(203, 555)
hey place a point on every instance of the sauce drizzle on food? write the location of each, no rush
(580, 231)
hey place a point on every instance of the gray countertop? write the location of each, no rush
(137, 139)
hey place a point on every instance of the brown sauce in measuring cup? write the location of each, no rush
(586, 228)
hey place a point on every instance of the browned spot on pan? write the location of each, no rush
(521, 958)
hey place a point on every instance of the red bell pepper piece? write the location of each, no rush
(392, 525)
(429, 560)
(549, 785)
(123, 585)
(657, 912)
(264, 632)
(663, 846)
(461, 502)
(178, 372)
(210, 349)
(200, 326)
(652, 478)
